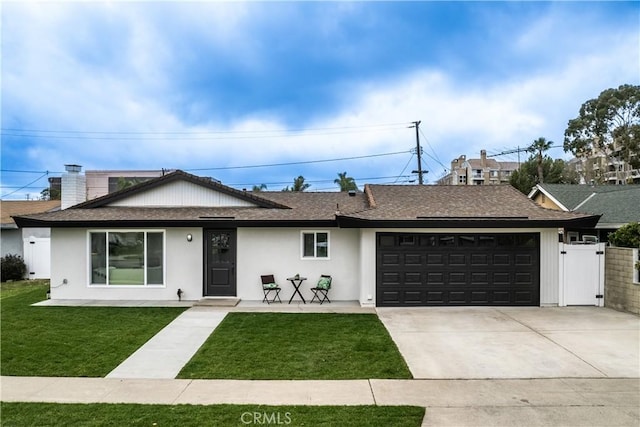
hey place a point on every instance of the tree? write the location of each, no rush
(538, 147)
(259, 188)
(627, 236)
(298, 185)
(50, 194)
(346, 183)
(609, 125)
(555, 172)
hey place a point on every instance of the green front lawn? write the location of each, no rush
(298, 346)
(70, 341)
(51, 414)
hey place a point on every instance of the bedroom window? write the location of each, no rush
(127, 258)
(315, 244)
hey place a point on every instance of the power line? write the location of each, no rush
(22, 188)
(195, 135)
(436, 159)
(404, 168)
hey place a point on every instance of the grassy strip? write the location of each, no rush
(52, 414)
(71, 341)
(298, 346)
(9, 289)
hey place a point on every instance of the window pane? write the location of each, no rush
(126, 258)
(322, 245)
(99, 258)
(308, 245)
(155, 252)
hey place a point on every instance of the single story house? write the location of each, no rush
(390, 245)
(32, 244)
(618, 205)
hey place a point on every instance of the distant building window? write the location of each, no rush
(462, 179)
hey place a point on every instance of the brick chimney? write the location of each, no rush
(74, 186)
(483, 158)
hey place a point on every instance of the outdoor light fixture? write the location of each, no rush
(189, 237)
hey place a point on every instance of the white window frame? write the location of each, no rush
(315, 245)
(127, 230)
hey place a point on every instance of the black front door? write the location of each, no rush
(220, 263)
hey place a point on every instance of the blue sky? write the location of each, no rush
(210, 86)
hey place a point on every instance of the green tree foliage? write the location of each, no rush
(554, 171)
(539, 147)
(12, 267)
(50, 194)
(346, 183)
(608, 124)
(259, 188)
(298, 185)
(627, 236)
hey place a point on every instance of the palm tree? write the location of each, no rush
(538, 147)
(298, 185)
(346, 183)
(258, 188)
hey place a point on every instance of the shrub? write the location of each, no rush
(12, 267)
(627, 236)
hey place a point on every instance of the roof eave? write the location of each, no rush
(583, 222)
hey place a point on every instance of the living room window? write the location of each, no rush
(129, 258)
(315, 244)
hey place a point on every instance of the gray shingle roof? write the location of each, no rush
(618, 204)
(379, 203)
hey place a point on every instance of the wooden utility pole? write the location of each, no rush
(418, 151)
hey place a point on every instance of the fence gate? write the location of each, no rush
(37, 256)
(582, 274)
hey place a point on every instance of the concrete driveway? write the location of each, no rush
(514, 342)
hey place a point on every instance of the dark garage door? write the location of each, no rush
(419, 269)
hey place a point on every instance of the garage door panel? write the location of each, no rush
(479, 260)
(457, 259)
(458, 269)
(457, 278)
(480, 297)
(435, 260)
(413, 259)
(479, 278)
(391, 260)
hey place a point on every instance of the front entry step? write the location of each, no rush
(218, 302)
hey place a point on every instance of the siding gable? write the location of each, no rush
(181, 194)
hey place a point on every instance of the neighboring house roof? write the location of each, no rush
(618, 204)
(9, 208)
(378, 205)
(488, 163)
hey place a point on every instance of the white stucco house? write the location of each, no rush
(390, 245)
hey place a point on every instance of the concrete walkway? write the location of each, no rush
(534, 402)
(164, 355)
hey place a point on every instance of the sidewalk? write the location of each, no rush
(530, 402)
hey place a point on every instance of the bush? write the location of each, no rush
(627, 236)
(12, 267)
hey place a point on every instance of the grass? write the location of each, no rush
(51, 414)
(70, 341)
(323, 346)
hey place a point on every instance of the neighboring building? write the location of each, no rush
(32, 244)
(482, 171)
(618, 205)
(390, 245)
(602, 169)
(97, 183)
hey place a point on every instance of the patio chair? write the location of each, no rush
(269, 285)
(321, 290)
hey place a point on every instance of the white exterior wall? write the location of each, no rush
(549, 266)
(181, 193)
(277, 251)
(70, 255)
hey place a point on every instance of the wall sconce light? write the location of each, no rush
(189, 237)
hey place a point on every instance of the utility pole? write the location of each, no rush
(416, 125)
